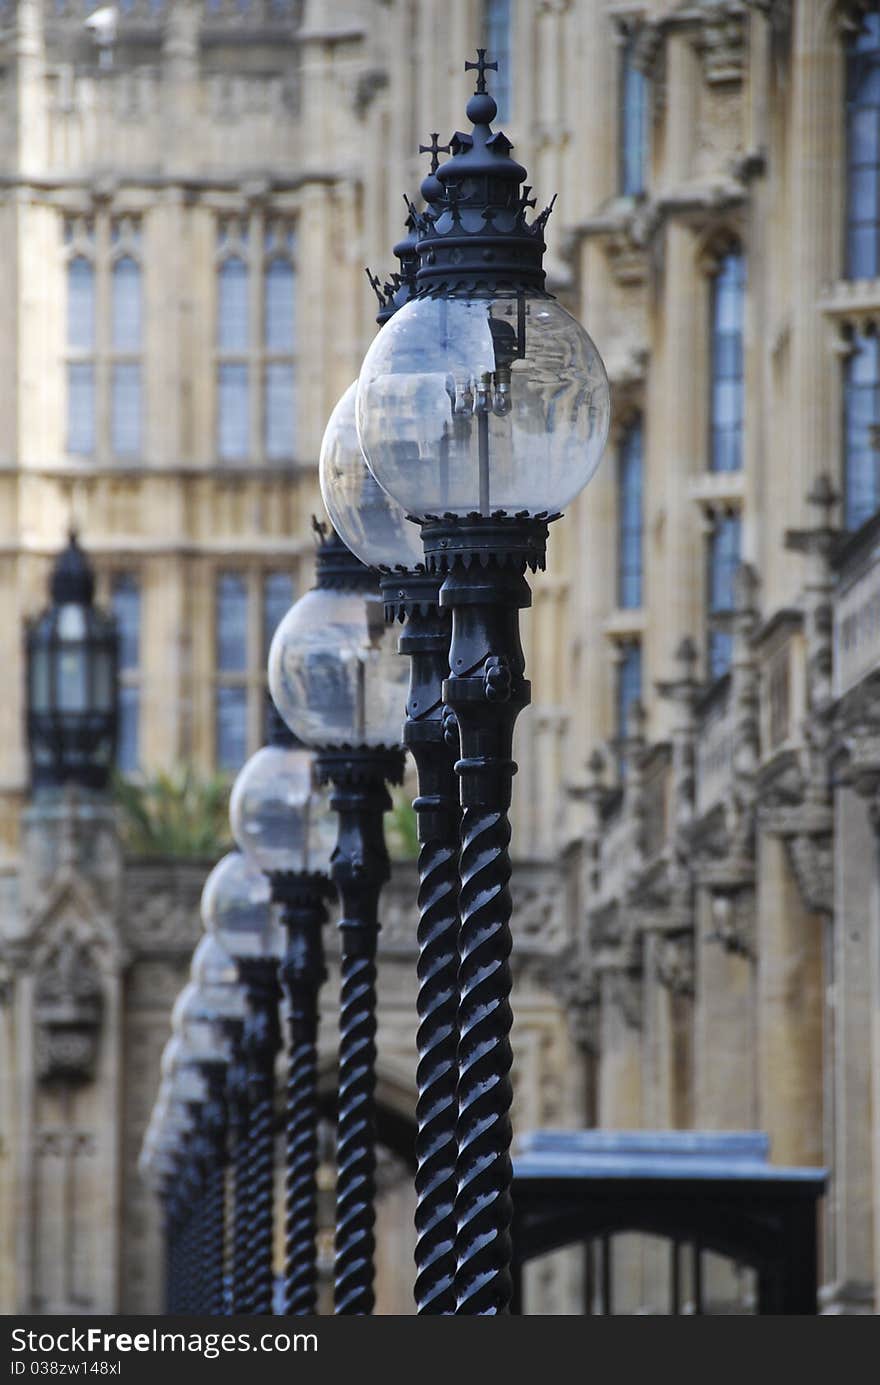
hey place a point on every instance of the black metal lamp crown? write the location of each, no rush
(400, 287)
(474, 236)
(336, 567)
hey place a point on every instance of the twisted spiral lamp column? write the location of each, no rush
(214, 1118)
(193, 1194)
(262, 1040)
(237, 1113)
(486, 691)
(360, 866)
(303, 914)
(432, 737)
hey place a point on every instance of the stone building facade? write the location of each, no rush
(187, 211)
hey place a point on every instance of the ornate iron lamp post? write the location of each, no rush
(72, 658)
(237, 910)
(377, 530)
(189, 1092)
(200, 1011)
(239, 1128)
(159, 1165)
(483, 409)
(336, 682)
(280, 819)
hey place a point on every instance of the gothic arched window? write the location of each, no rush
(632, 123)
(125, 343)
(863, 151)
(629, 685)
(861, 417)
(81, 355)
(104, 335)
(125, 593)
(279, 341)
(256, 341)
(233, 343)
(248, 605)
(496, 31)
(723, 559)
(629, 517)
(726, 397)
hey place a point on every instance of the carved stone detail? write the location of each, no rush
(572, 979)
(68, 1012)
(675, 963)
(625, 992)
(627, 257)
(722, 41)
(812, 863)
(649, 56)
(733, 922)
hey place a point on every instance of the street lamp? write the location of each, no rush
(337, 683)
(280, 819)
(196, 1018)
(237, 910)
(483, 409)
(189, 1092)
(72, 658)
(159, 1165)
(222, 995)
(376, 529)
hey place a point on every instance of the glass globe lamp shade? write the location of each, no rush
(147, 1164)
(175, 1119)
(478, 405)
(196, 1018)
(334, 671)
(364, 516)
(215, 976)
(186, 1083)
(172, 1056)
(237, 909)
(190, 1086)
(280, 816)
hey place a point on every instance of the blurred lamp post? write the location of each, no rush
(196, 1020)
(72, 661)
(337, 683)
(159, 1165)
(237, 910)
(483, 409)
(189, 1091)
(281, 820)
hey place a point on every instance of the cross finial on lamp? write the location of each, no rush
(435, 148)
(481, 67)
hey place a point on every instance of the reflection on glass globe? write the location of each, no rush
(236, 908)
(215, 976)
(189, 1084)
(455, 417)
(280, 816)
(172, 1055)
(334, 671)
(195, 1018)
(186, 1082)
(364, 516)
